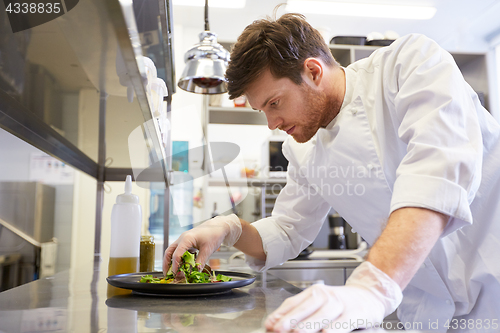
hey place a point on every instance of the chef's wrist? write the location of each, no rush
(382, 286)
(234, 228)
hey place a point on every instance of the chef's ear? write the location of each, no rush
(313, 70)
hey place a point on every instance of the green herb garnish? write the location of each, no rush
(150, 279)
(223, 278)
(190, 273)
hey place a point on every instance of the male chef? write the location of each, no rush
(420, 155)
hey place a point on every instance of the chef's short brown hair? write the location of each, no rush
(282, 45)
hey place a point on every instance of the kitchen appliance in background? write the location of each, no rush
(337, 234)
(274, 164)
(336, 238)
(353, 239)
(380, 42)
(27, 214)
(376, 38)
(348, 40)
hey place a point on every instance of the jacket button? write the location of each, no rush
(448, 302)
(354, 111)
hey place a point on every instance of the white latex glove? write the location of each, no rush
(207, 238)
(367, 298)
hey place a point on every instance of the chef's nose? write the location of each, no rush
(273, 122)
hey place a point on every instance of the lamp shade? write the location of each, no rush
(206, 64)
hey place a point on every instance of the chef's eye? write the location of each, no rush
(275, 103)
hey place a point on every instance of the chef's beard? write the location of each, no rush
(320, 109)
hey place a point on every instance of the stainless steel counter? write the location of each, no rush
(75, 301)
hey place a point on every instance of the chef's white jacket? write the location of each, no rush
(410, 133)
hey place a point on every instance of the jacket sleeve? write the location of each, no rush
(438, 121)
(296, 219)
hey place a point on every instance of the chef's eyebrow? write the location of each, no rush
(267, 101)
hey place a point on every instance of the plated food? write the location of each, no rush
(188, 272)
(189, 281)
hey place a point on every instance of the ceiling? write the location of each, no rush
(459, 25)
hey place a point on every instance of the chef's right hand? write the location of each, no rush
(368, 296)
(207, 238)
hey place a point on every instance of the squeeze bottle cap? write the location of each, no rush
(128, 197)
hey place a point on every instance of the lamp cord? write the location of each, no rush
(207, 27)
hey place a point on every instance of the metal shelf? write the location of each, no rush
(96, 31)
(78, 52)
(235, 116)
(251, 182)
(19, 121)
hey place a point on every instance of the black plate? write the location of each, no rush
(131, 281)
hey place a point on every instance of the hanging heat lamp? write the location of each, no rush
(206, 64)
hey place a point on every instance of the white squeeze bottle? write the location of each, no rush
(126, 218)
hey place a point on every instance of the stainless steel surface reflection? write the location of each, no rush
(185, 313)
(76, 301)
(235, 301)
